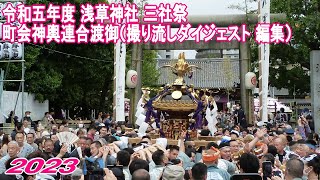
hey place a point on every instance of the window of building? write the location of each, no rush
(168, 56)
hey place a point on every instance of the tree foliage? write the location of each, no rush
(73, 76)
(68, 75)
(150, 73)
(303, 18)
(289, 63)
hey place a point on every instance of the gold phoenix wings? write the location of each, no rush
(181, 68)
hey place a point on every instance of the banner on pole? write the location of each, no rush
(120, 77)
(264, 17)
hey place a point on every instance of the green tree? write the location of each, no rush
(290, 62)
(303, 17)
(81, 79)
(150, 73)
(74, 76)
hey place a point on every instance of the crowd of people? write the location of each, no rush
(104, 151)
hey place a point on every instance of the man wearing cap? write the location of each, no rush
(234, 134)
(289, 131)
(312, 146)
(210, 158)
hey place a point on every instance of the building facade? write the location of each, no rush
(166, 54)
(229, 53)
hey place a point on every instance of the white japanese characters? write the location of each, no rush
(110, 23)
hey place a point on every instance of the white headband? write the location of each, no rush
(309, 158)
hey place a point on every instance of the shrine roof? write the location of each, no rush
(214, 73)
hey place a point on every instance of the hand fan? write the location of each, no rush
(67, 138)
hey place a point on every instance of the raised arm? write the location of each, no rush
(259, 135)
(301, 128)
(182, 147)
(306, 125)
(63, 151)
